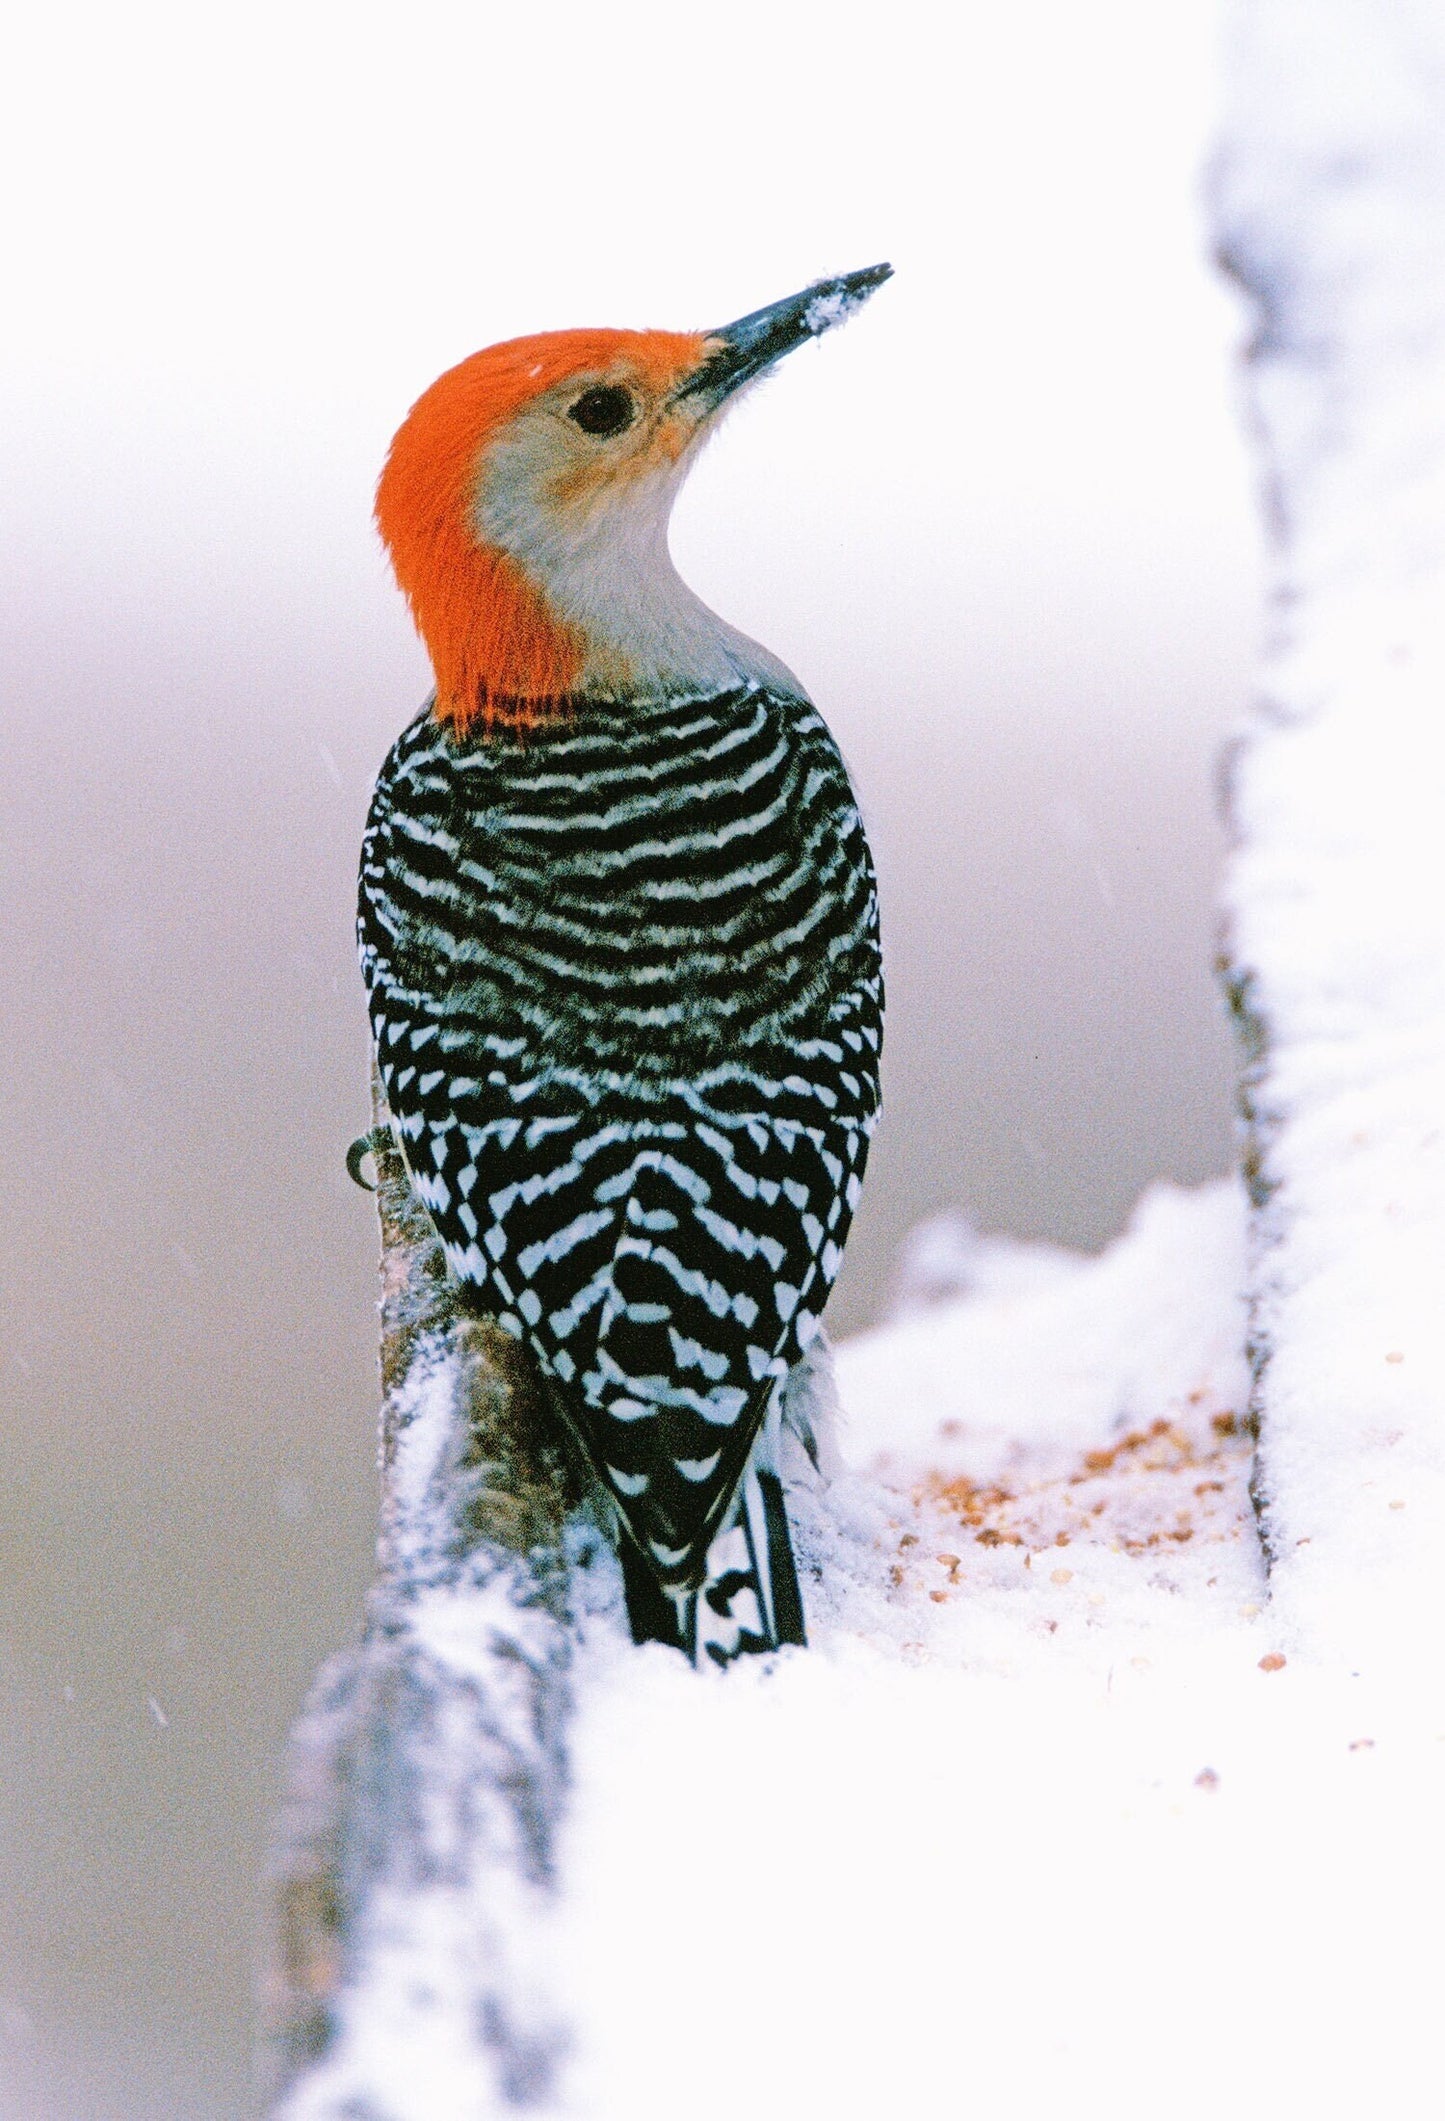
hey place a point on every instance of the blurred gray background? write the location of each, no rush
(1003, 528)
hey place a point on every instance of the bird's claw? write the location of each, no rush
(365, 1145)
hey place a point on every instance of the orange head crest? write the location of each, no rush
(525, 498)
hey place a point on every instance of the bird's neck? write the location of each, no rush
(646, 635)
(595, 601)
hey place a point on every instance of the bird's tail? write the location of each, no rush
(748, 1600)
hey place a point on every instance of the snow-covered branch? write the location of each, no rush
(1330, 212)
(415, 1874)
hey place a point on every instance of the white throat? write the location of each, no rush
(607, 571)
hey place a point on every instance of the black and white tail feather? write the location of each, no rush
(749, 1600)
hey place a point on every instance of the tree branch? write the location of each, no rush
(415, 1872)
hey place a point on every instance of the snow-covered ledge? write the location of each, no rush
(1329, 200)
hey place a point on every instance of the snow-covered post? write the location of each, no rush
(414, 1874)
(1329, 197)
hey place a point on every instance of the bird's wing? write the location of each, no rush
(666, 1271)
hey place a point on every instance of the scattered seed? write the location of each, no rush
(1273, 1662)
(1061, 1576)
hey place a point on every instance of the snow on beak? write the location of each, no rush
(740, 351)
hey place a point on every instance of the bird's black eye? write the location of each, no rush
(603, 411)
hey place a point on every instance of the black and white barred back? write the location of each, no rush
(627, 1001)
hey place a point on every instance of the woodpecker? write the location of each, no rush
(619, 927)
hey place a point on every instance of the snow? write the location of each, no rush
(824, 311)
(1330, 199)
(1050, 1812)
(1056, 1350)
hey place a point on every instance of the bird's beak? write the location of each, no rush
(743, 350)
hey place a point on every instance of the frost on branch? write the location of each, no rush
(1330, 212)
(415, 1878)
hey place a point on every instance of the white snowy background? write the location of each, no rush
(1059, 1810)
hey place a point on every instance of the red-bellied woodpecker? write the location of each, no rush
(619, 926)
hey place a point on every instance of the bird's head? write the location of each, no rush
(525, 503)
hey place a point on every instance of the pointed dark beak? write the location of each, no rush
(743, 350)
